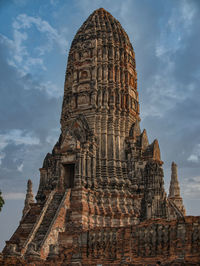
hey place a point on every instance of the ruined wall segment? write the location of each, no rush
(152, 242)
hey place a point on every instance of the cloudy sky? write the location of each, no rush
(35, 37)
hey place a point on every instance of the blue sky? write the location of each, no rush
(35, 38)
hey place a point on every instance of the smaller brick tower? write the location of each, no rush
(174, 190)
(29, 198)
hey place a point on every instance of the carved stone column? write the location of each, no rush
(98, 148)
(78, 172)
(88, 170)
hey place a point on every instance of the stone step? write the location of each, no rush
(26, 225)
(49, 215)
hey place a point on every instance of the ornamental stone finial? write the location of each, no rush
(29, 198)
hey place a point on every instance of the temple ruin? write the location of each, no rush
(101, 198)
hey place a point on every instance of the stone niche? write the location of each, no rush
(83, 100)
(83, 87)
(84, 74)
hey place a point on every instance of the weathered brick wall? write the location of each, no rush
(174, 242)
(148, 242)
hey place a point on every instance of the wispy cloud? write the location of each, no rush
(24, 22)
(172, 34)
(20, 167)
(191, 187)
(51, 89)
(195, 156)
(24, 58)
(17, 137)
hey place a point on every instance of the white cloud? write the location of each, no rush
(173, 32)
(32, 62)
(191, 187)
(162, 95)
(20, 167)
(188, 11)
(24, 21)
(164, 89)
(51, 89)
(13, 196)
(182, 18)
(20, 49)
(195, 156)
(17, 137)
(23, 55)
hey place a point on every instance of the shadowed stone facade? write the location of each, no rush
(101, 194)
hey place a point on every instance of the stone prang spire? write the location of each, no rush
(29, 198)
(174, 190)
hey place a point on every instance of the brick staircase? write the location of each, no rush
(49, 215)
(26, 225)
(42, 224)
(177, 211)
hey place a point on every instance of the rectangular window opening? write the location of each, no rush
(68, 175)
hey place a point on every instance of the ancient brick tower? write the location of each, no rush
(102, 173)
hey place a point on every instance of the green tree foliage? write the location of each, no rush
(1, 201)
